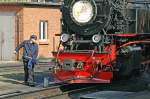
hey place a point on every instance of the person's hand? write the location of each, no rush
(28, 57)
(15, 52)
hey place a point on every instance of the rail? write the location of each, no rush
(45, 93)
(35, 94)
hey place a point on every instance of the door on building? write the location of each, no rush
(7, 36)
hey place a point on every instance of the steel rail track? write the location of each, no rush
(45, 93)
(11, 68)
(21, 65)
(34, 94)
(65, 94)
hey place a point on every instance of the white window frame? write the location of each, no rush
(43, 30)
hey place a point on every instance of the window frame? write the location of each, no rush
(45, 30)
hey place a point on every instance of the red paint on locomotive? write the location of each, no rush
(92, 61)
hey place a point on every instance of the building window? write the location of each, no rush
(43, 30)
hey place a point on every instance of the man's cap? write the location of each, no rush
(33, 37)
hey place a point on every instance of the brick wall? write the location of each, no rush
(31, 20)
(27, 22)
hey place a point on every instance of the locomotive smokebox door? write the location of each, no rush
(86, 17)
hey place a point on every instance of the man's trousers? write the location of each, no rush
(28, 73)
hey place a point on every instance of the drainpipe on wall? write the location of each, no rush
(53, 43)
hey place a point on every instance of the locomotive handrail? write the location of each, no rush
(85, 51)
(82, 41)
(134, 42)
(139, 2)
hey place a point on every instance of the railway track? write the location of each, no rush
(35, 94)
(54, 92)
(63, 91)
(58, 91)
(12, 68)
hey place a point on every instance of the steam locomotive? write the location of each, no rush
(102, 39)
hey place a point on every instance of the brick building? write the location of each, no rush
(19, 20)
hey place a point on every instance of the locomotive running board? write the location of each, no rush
(82, 80)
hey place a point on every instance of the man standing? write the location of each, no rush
(30, 53)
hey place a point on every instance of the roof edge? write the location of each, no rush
(31, 3)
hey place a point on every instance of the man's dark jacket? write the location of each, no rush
(29, 49)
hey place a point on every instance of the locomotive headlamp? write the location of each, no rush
(82, 11)
(96, 38)
(64, 37)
